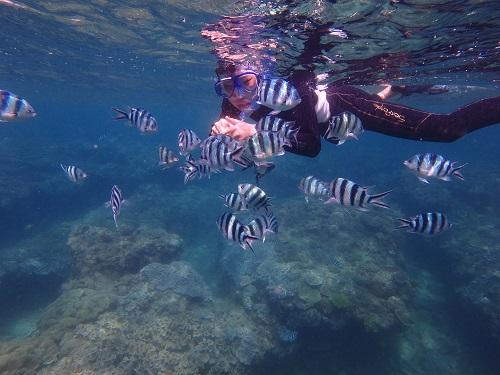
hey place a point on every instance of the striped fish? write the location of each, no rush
(342, 127)
(262, 225)
(167, 157)
(138, 118)
(234, 201)
(254, 196)
(188, 141)
(220, 153)
(220, 137)
(429, 223)
(348, 193)
(233, 230)
(195, 168)
(14, 108)
(265, 144)
(433, 165)
(313, 187)
(73, 173)
(277, 94)
(115, 202)
(276, 124)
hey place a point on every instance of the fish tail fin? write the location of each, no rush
(116, 221)
(63, 167)
(189, 175)
(376, 199)
(239, 158)
(353, 136)
(248, 165)
(247, 242)
(121, 114)
(405, 223)
(294, 130)
(268, 205)
(273, 227)
(189, 172)
(456, 171)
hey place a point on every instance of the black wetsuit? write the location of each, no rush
(376, 115)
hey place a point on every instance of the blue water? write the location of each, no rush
(358, 296)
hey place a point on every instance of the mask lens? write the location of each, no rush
(224, 87)
(227, 86)
(247, 81)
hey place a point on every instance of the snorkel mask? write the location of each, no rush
(243, 83)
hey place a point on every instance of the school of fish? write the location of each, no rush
(273, 135)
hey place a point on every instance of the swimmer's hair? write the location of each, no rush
(227, 68)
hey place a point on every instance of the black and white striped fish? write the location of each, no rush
(262, 225)
(220, 153)
(278, 94)
(433, 165)
(14, 108)
(276, 124)
(233, 230)
(195, 168)
(348, 193)
(254, 196)
(188, 141)
(313, 187)
(139, 118)
(429, 223)
(115, 202)
(73, 173)
(167, 157)
(264, 145)
(342, 127)
(234, 201)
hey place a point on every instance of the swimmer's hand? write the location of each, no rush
(235, 128)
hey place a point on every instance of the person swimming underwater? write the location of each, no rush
(238, 85)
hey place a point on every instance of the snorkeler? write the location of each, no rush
(238, 86)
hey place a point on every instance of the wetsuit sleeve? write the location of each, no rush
(405, 122)
(308, 140)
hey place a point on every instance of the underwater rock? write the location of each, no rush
(35, 267)
(313, 278)
(18, 269)
(309, 296)
(178, 277)
(117, 252)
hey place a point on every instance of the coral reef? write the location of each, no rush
(106, 250)
(177, 276)
(134, 325)
(326, 271)
(130, 307)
